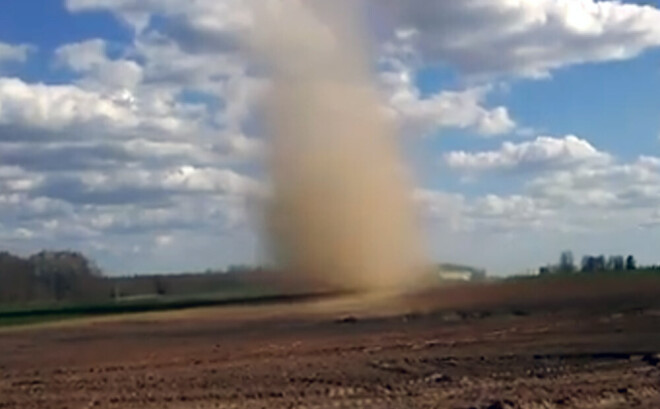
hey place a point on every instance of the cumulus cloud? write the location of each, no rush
(126, 186)
(195, 44)
(73, 110)
(55, 107)
(476, 36)
(164, 240)
(90, 58)
(14, 53)
(201, 23)
(188, 178)
(83, 56)
(527, 38)
(618, 186)
(510, 213)
(575, 188)
(543, 153)
(79, 206)
(447, 109)
(441, 206)
(591, 197)
(494, 214)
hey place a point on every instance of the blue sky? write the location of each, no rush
(49, 25)
(131, 129)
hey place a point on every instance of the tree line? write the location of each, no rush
(49, 277)
(55, 277)
(591, 264)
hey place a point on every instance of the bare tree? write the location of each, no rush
(615, 263)
(566, 262)
(631, 263)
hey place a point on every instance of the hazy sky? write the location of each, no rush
(130, 129)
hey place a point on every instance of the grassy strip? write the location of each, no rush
(590, 276)
(42, 315)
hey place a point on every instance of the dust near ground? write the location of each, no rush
(523, 346)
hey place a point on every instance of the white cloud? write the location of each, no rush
(208, 20)
(212, 180)
(423, 114)
(576, 189)
(55, 107)
(22, 233)
(106, 207)
(528, 38)
(441, 206)
(124, 152)
(198, 49)
(448, 109)
(493, 213)
(126, 185)
(90, 58)
(14, 53)
(164, 240)
(508, 213)
(240, 147)
(197, 45)
(182, 215)
(166, 63)
(617, 186)
(83, 56)
(544, 153)
(514, 206)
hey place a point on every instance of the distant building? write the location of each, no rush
(455, 275)
(454, 272)
(533, 272)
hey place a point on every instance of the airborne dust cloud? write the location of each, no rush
(341, 216)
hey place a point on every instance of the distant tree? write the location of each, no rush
(616, 263)
(588, 264)
(566, 262)
(67, 275)
(478, 275)
(238, 268)
(631, 263)
(592, 264)
(17, 281)
(160, 285)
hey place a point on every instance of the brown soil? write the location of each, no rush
(502, 349)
